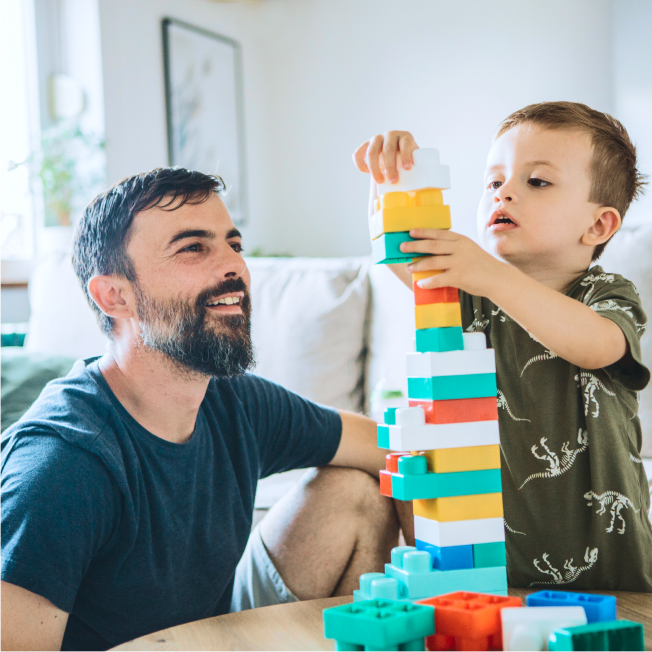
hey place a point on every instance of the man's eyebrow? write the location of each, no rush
(191, 233)
(233, 233)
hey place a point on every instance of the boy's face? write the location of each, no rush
(535, 207)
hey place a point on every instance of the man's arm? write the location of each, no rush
(30, 622)
(359, 449)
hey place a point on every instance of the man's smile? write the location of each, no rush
(226, 303)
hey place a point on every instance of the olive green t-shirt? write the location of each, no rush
(575, 492)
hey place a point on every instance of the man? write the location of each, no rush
(128, 487)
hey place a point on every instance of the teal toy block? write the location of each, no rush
(448, 557)
(377, 586)
(418, 579)
(383, 436)
(440, 339)
(379, 625)
(609, 635)
(390, 416)
(486, 555)
(386, 249)
(413, 482)
(444, 388)
(596, 607)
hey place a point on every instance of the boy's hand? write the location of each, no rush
(465, 265)
(383, 153)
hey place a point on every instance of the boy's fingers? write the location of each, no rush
(436, 281)
(373, 158)
(436, 247)
(359, 157)
(430, 263)
(434, 234)
(390, 151)
(406, 146)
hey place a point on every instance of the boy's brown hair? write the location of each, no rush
(615, 180)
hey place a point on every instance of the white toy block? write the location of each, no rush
(451, 363)
(474, 341)
(528, 628)
(410, 416)
(443, 435)
(427, 172)
(459, 533)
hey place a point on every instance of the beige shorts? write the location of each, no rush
(257, 582)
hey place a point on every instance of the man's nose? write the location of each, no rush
(230, 264)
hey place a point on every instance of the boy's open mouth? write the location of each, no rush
(501, 221)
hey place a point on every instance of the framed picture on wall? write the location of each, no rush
(205, 108)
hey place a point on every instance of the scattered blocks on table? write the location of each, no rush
(436, 436)
(423, 297)
(444, 388)
(377, 586)
(448, 557)
(438, 315)
(597, 607)
(440, 339)
(469, 458)
(386, 249)
(459, 533)
(451, 363)
(529, 629)
(475, 341)
(417, 578)
(489, 554)
(468, 621)
(405, 218)
(427, 172)
(379, 625)
(612, 635)
(461, 410)
(461, 508)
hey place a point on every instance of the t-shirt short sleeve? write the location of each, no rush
(616, 298)
(292, 432)
(58, 508)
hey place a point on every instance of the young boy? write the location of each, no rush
(559, 178)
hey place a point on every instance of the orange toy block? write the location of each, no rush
(461, 410)
(391, 461)
(436, 295)
(385, 483)
(468, 621)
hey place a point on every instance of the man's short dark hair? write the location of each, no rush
(102, 234)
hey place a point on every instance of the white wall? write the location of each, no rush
(323, 75)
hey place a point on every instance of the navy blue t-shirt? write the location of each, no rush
(130, 533)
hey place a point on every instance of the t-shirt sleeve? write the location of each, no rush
(58, 508)
(616, 298)
(292, 432)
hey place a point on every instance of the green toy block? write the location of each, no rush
(440, 339)
(383, 436)
(605, 635)
(390, 416)
(386, 249)
(486, 555)
(379, 625)
(444, 388)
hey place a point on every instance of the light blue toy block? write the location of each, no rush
(425, 486)
(598, 608)
(383, 436)
(612, 635)
(440, 339)
(390, 416)
(377, 586)
(444, 388)
(417, 579)
(379, 625)
(386, 249)
(486, 555)
(448, 557)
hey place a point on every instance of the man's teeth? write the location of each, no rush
(227, 301)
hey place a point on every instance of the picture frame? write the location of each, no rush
(205, 107)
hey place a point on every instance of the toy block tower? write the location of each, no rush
(450, 425)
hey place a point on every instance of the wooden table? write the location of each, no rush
(298, 626)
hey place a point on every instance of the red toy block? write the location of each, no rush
(436, 295)
(391, 461)
(459, 410)
(385, 483)
(468, 621)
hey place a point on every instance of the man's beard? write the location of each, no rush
(178, 329)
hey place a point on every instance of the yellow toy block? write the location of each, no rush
(460, 508)
(468, 458)
(438, 315)
(423, 197)
(404, 218)
(418, 276)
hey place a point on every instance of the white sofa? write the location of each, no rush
(329, 329)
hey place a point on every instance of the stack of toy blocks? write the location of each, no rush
(451, 423)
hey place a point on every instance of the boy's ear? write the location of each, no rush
(606, 221)
(113, 296)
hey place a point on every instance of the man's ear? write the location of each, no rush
(606, 221)
(113, 296)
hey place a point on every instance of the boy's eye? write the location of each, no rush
(538, 183)
(494, 185)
